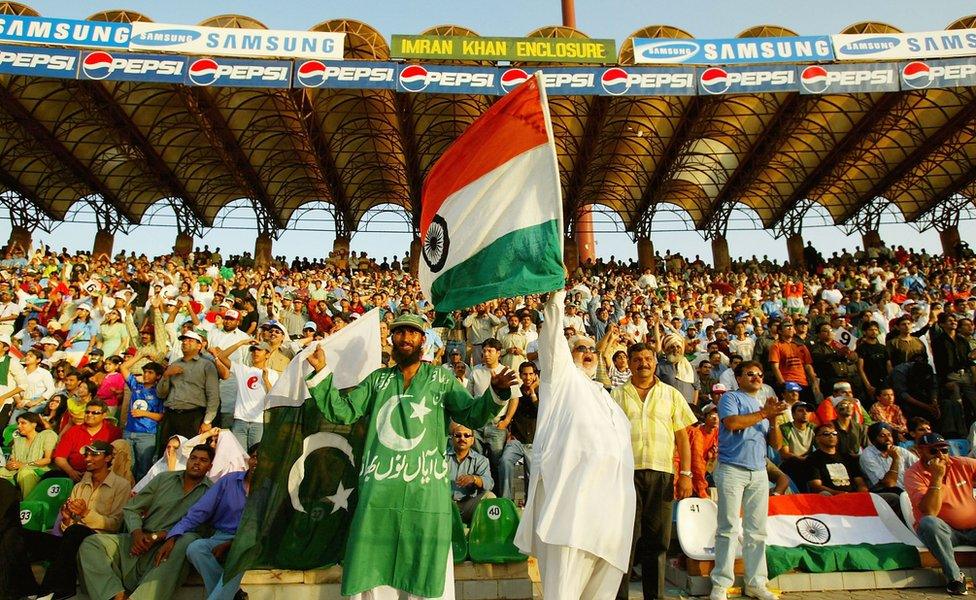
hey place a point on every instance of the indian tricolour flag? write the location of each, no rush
(491, 221)
(848, 532)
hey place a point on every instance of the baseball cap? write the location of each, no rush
(98, 447)
(274, 325)
(260, 346)
(192, 335)
(455, 351)
(842, 385)
(805, 405)
(231, 314)
(708, 408)
(409, 320)
(719, 388)
(49, 340)
(310, 325)
(84, 307)
(792, 386)
(931, 440)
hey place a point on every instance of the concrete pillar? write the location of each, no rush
(341, 243)
(950, 239)
(872, 239)
(794, 250)
(720, 253)
(104, 240)
(183, 245)
(20, 237)
(262, 250)
(415, 256)
(571, 255)
(585, 240)
(645, 253)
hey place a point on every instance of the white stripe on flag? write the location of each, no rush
(352, 353)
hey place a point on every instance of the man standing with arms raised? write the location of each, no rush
(745, 422)
(400, 536)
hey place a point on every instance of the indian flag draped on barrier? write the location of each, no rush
(848, 532)
(303, 495)
(491, 222)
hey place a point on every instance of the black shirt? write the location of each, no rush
(830, 469)
(523, 422)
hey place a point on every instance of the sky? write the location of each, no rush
(616, 19)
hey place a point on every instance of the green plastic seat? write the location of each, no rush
(33, 514)
(8, 437)
(52, 493)
(493, 532)
(459, 544)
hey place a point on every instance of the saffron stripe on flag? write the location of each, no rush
(853, 505)
(512, 126)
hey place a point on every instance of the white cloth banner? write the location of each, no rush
(225, 41)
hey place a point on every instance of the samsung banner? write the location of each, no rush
(221, 41)
(64, 32)
(732, 51)
(905, 46)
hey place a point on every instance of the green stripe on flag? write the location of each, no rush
(845, 557)
(525, 261)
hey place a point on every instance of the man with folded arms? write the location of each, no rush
(941, 489)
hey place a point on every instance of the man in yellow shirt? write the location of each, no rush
(659, 417)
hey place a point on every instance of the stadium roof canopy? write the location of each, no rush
(122, 147)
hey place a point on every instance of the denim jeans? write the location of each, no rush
(247, 433)
(493, 440)
(514, 451)
(940, 539)
(740, 488)
(143, 450)
(200, 555)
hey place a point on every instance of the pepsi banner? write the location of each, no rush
(132, 67)
(226, 41)
(349, 74)
(64, 32)
(447, 79)
(733, 51)
(747, 80)
(905, 46)
(613, 81)
(957, 72)
(848, 79)
(39, 62)
(231, 72)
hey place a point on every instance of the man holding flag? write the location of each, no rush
(400, 536)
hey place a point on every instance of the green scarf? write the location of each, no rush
(4, 369)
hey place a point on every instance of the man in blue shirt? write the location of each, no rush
(145, 412)
(221, 507)
(745, 422)
(469, 472)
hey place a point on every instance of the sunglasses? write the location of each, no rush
(93, 412)
(585, 349)
(939, 450)
(829, 433)
(89, 450)
(758, 375)
(463, 436)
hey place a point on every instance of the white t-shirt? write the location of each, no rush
(251, 394)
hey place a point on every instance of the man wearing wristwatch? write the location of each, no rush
(941, 489)
(659, 419)
(128, 565)
(746, 420)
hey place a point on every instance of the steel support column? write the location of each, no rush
(720, 253)
(645, 253)
(794, 250)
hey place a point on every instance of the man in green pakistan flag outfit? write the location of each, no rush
(400, 536)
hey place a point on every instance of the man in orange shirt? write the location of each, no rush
(941, 490)
(790, 361)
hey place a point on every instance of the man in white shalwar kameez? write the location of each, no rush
(579, 515)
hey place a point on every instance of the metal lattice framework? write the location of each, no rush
(125, 149)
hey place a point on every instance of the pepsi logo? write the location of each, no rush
(815, 79)
(715, 80)
(615, 81)
(513, 78)
(413, 78)
(252, 382)
(203, 71)
(311, 73)
(98, 65)
(917, 75)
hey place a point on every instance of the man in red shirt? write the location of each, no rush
(67, 454)
(790, 361)
(941, 489)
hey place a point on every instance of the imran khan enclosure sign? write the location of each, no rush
(504, 48)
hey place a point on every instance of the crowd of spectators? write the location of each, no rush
(146, 377)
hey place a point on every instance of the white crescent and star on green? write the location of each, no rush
(385, 432)
(323, 439)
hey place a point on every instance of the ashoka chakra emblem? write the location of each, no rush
(436, 244)
(813, 531)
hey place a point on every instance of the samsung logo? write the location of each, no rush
(870, 45)
(166, 37)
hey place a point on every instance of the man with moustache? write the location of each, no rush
(400, 535)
